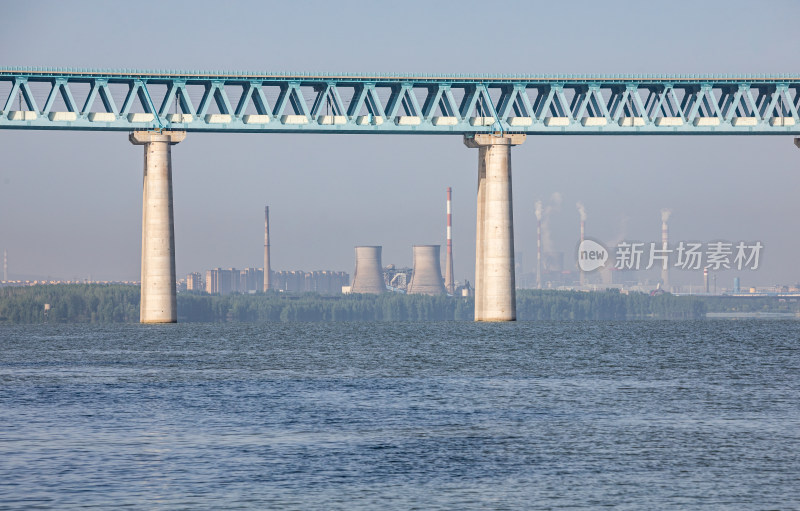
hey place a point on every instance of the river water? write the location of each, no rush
(544, 415)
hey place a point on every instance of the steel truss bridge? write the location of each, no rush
(492, 112)
(128, 100)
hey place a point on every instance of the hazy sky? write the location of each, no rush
(70, 202)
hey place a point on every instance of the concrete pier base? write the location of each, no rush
(158, 301)
(495, 294)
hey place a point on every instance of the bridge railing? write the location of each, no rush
(421, 104)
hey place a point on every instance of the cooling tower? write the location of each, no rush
(427, 276)
(369, 271)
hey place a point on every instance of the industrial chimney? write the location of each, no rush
(705, 279)
(665, 213)
(427, 276)
(368, 277)
(449, 280)
(582, 213)
(267, 267)
(539, 244)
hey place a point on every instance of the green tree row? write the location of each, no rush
(120, 304)
(72, 303)
(609, 304)
(751, 304)
(313, 307)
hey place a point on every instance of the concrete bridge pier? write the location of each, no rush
(495, 294)
(158, 301)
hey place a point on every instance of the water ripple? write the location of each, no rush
(638, 415)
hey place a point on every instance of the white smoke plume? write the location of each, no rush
(553, 206)
(665, 213)
(547, 240)
(623, 231)
(581, 211)
(539, 210)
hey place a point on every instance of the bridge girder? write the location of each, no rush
(126, 100)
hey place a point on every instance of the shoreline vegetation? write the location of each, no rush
(114, 303)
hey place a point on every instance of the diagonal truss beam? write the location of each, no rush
(215, 91)
(22, 92)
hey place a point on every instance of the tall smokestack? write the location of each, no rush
(665, 213)
(5, 265)
(449, 280)
(427, 276)
(267, 267)
(368, 277)
(538, 244)
(582, 213)
(705, 279)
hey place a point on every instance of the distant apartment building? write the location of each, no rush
(288, 281)
(251, 280)
(212, 281)
(226, 281)
(194, 282)
(326, 282)
(322, 282)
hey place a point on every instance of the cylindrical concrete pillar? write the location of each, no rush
(495, 294)
(158, 303)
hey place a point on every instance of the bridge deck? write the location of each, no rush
(125, 100)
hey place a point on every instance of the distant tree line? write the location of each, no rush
(752, 304)
(313, 307)
(97, 303)
(609, 304)
(70, 303)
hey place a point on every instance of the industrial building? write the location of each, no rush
(397, 279)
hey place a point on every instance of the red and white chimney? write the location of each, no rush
(449, 279)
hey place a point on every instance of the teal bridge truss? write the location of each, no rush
(128, 100)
